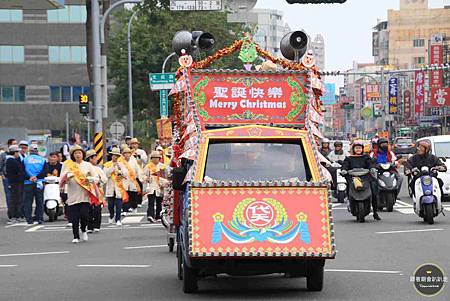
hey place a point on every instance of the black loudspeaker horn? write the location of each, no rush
(182, 40)
(203, 40)
(293, 45)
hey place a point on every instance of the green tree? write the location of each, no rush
(152, 33)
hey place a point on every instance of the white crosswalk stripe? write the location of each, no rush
(400, 206)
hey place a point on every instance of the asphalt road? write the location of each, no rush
(133, 263)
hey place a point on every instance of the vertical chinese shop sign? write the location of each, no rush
(419, 93)
(393, 95)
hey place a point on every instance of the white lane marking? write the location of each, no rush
(144, 247)
(8, 265)
(132, 219)
(113, 265)
(32, 254)
(409, 231)
(405, 210)
(132, 214)
(106, 228)
(23, 224)
(403, 204)
(362, 271)
(34, 228)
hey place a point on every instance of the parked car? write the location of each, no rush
(440, 147)
(404, 145)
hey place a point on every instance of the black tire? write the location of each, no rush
(171, 244)
(410, 192)
(314, 278)
(51, 215)
(428, 214)
(341, 196)
(361, 214)
(189, 279)
(179, 263)
(390, 200)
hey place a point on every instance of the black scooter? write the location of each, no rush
(359, 192)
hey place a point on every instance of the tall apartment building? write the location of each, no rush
(42, 63)
(410, 31)
(318, 47)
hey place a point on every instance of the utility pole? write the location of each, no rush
(130, 79)
(96, 67)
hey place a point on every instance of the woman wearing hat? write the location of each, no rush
(155, 183)
(115, 191)
(141, 158)
(78, 175)
(95, 210)
(131, 174)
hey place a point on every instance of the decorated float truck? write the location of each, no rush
(250, 195)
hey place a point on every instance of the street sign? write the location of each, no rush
(186, 5)
(163, 103)
(161, 81)
(117, 129)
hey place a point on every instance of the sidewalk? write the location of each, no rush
(2, 196)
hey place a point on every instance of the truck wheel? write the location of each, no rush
(428, 214)
(51, 215)
(361, 214)
(171, 244)
(189, 279)
(390, 200)
(314, 278)
(179, 262)
(341, 196)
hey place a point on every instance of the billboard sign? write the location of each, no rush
(419, 93)
(393, 95)
(329, 96)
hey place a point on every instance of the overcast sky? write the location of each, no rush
(347, 28)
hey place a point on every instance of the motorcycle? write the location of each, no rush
(387, 185)
(52, 198)
(427, 194)
(341, 183)
(359, 193)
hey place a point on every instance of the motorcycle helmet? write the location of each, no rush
(325, 141)
(383, 141)
(426, 144)
(357, 143)
(338, 143)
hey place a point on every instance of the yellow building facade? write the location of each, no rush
(410, 31)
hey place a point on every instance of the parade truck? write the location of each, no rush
(250, 194)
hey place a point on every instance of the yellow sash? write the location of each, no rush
(81, 179)
(153, 168)
(131, 173)
(118, 183)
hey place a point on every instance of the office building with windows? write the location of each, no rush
(42, 65)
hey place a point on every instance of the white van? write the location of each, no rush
(440, 147)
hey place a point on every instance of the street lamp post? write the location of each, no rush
(130, 79)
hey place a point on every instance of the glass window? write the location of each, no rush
(76, 54)
(8, 93)
(64, 54)
(67, 54)
(442, 149)
(12, 54)
(69, 14)
(12, 93)
(53, 54)
(19, 93)
(418, 43)
(66, 94)
(55, 93)
(10, 16)
(76, 91)
(250, 160)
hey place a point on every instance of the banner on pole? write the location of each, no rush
(419, 81)
(393, 95)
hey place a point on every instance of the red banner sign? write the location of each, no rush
(436, 56)
(372, 91)
(293, 221)
(236, 98)
(440, 97)
(407, 104)
(419, 90)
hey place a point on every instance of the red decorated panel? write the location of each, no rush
(250, 98)
(271, 221)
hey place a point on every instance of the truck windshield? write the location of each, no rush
(256, 161)
(442, 149)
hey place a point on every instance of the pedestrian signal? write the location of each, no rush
(84, 104)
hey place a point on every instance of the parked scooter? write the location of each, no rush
(52, 198)
(387, 186)
(427, 194)
(341, 183)
(359, 193)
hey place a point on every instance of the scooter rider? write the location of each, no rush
(325, 147)
(337, 155)
(382, 154)
(360, 160)
(424, 158)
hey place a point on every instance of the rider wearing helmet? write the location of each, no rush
(338, 154)
(422, 158)
(325, 147)
(360, 160)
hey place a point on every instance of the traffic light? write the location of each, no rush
(315, 1)
(84, 104)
